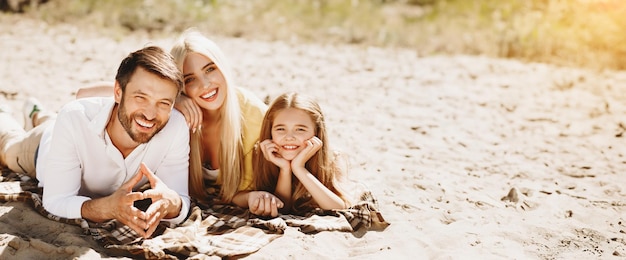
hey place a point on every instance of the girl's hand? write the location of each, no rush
(270, 152)
(312, 146)
(263, 203)
(191, 111)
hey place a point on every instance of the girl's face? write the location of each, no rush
(204, 82)
(290, 130)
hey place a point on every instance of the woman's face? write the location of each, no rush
(291, 129)
(204, 82)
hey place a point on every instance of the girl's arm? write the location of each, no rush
(324, 197)
(283, 188)
(283, 184)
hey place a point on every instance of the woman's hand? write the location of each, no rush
(270, 152)
(191, 111)
(263, 203)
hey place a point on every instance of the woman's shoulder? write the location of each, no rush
(252, 111)
(250, 103)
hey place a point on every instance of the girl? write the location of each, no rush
(294, 161)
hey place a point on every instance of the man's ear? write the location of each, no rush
(117, 92)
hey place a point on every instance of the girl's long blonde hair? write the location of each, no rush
(322, 165)
(231, 144)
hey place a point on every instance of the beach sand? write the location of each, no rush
(469, 157)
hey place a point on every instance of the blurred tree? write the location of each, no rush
(18, 6)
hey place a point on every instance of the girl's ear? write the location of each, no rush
(117, 92)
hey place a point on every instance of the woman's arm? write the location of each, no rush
(189, 109)
(99, 89)
(260, 203)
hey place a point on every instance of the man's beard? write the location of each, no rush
(127, 123)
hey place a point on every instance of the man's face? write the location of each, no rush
(145, 105)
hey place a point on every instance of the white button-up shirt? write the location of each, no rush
(77, 160)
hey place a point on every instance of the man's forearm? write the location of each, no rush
(95, 210)
(176, 205)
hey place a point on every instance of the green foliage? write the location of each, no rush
(569, 32)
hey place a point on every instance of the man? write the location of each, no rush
(91, 160)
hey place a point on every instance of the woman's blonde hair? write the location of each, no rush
(322, 165)
(231, 144)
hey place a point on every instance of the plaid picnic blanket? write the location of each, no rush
(210, 230)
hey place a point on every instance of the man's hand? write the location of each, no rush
(119, 206)
(263, 203)
(166, 203)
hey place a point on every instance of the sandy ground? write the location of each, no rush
(468, 156)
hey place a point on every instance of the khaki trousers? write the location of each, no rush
(18, 147)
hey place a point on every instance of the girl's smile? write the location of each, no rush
(291, 129)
